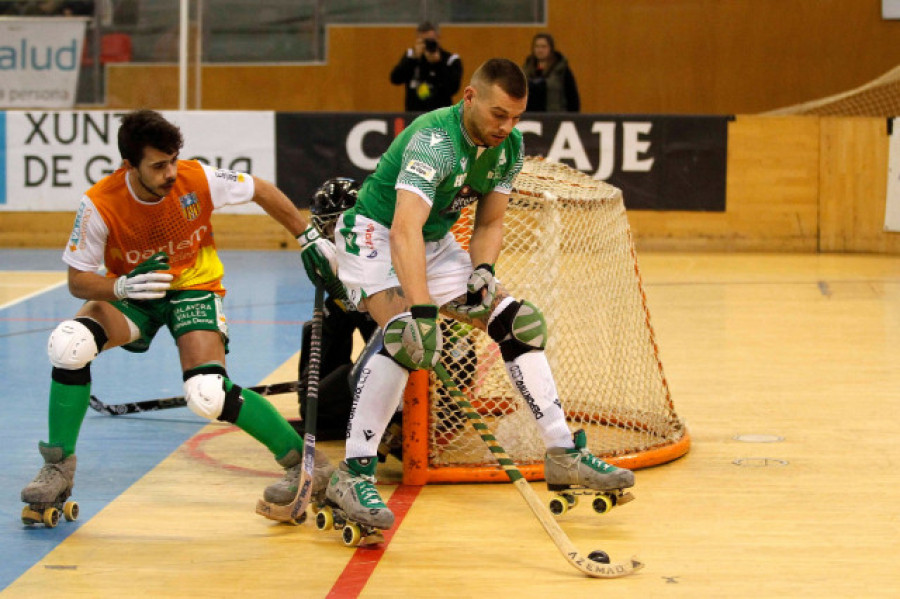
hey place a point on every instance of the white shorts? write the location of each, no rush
(365, 268)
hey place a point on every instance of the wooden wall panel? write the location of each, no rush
(629, 56)
(853, 187)
(771, 194)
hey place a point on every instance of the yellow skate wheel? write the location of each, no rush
(571, 499)
(29, 516)
(70, 511)
(602, 504)
(351, 534)
(51, 517)
(299, 519)
(325, 518)
(558, 505)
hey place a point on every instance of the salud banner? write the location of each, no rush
(659, 162)
(52, 158)
(39, 61)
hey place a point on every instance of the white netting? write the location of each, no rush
(567, 249)
(879, 97)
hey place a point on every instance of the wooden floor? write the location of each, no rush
(786, 370)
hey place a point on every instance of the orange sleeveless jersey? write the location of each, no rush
(178, 225)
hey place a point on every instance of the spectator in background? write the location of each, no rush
(431, 74)
(551, 84)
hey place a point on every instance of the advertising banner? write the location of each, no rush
(659, 162)
(52, 158)
(39, 61)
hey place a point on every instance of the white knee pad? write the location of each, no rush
(205, 395)
(71, 345)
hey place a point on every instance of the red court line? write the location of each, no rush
(195, 448)
(360, 567)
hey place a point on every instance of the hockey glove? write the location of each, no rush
(144, 282)
(480, 293)
(413, 339)
(320, 261)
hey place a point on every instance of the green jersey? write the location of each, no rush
(435, 158)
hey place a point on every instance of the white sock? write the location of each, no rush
(530, 375)
(378, 393)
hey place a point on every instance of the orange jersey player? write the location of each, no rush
(149, 224)
(115, 228)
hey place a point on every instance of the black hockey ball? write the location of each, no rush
(598, 556)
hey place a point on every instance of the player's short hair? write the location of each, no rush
(426, 26)
(505, 73)
(142, 128)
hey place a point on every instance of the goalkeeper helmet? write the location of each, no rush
(329, 201)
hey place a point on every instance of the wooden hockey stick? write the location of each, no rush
(295, 512)
(151, 405)
(565, 546)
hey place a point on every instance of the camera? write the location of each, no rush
(431, 45)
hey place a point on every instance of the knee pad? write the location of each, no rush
(206, 395)
(519, 329)
(405, 343)
(73, 344)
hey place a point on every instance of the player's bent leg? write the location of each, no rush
(72, 346)
(521, 333)
(380, 383)
(209, 393)
(576, 467)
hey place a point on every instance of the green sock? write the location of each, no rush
(68, 404)
(263, 422)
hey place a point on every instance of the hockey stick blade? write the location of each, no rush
(295, 511)
(151, 405)
(562, 541)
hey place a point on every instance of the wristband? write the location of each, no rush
(424, 311)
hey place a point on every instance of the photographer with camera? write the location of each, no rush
(430, 74)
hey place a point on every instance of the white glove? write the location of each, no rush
(148, 285)
(480, 293)
(319, 257)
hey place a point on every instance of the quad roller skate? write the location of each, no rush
(354, 534)
(284, 492)
(571, 473)
(48, 494)
(353, 505)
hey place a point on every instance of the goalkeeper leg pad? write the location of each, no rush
(75, 343)
(519, 328)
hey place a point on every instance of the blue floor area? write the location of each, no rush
(269, 298)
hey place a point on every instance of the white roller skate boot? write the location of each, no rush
(48, 493)
(573, 472)
(284, 491)
(352, 503)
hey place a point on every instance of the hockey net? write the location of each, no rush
(568, 249)
(879, 97)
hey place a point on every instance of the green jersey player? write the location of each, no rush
(399, 262)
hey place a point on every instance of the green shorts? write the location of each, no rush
(180, 311)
